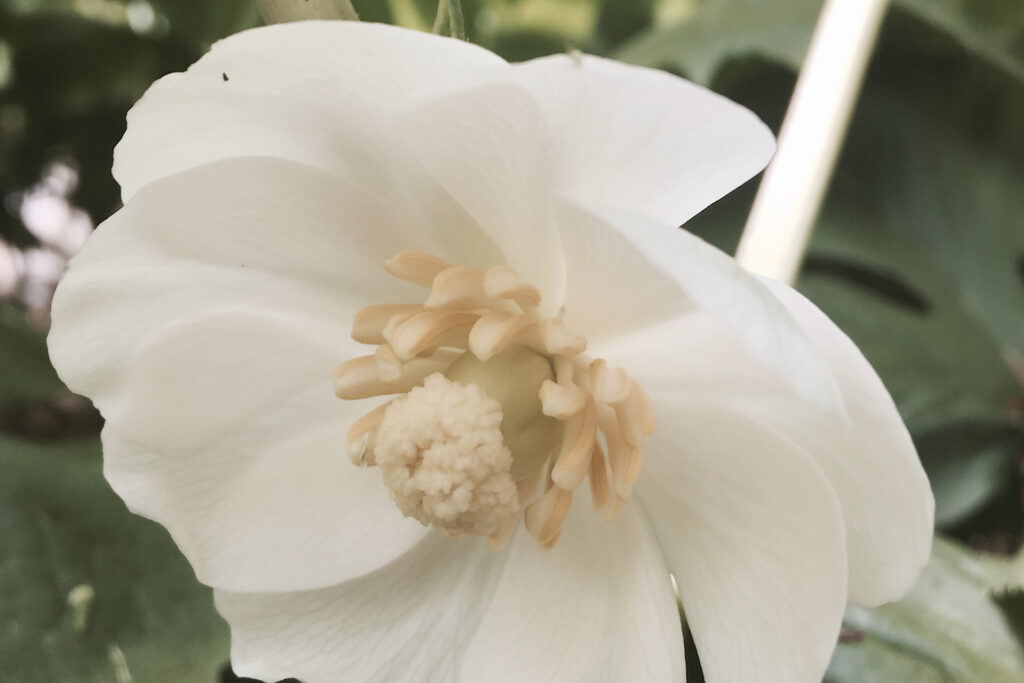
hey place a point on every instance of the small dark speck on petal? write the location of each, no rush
(225, 77)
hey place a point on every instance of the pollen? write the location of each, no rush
(498, 412)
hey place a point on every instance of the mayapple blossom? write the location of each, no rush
(403, 346)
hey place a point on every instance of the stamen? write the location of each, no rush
(623, 458)
(543, 517)
(493, 333)
(420, 331)
(360, 378)
(562, 401)
(606, 503)
(558, 342)
(457, 287)
(577, 446)
(368, 324)
(389, 365)
(465, 451)
(635, 415)
(501, 282)
(610, 385)
(416, 266)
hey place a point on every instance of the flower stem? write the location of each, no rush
(781, 221)
(282, 11)
(449, 16)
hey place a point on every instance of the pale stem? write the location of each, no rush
(780, 223)
(282, 11)
(449, 17)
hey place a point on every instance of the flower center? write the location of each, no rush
(493, 399)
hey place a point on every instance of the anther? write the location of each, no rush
(518, 400)
(457, 287)
(360, 377)
(607, 503)
(369, 323)
(578, 441)
(501, 282)
(544, 517)
(416, 266)
(493, 333)
(421, 331)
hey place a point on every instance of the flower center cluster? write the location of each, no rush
(493, 399)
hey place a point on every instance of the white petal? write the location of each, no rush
(205, 320)
(641, 139)
(259, 494)
(251, 234)
(597, 608)
(488, 146)
(871, 461)
(868, 457)
(634, 254)
(408, 622)
(315, 92)
(754, 536)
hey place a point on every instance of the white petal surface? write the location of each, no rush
(868, 457)
(205, 320)
(249, 234)
(871, 461)
(272, 503)
(754, 536)
(489, 147)
(409, 622)
(598, 608)
(669, 271)
(641, 139)
(315, 92)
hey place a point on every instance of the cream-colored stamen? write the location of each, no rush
(499, 397)
(416, 266)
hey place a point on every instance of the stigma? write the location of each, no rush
(497, 412)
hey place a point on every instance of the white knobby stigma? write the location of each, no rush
(497, 399)
(440, 451)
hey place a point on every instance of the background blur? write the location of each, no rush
(918, 255)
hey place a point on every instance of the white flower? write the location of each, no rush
(264, 190)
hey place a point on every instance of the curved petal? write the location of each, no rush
(670, 272)
(410, 621)
(315, 92)
(489, 148)
(871, 462)
(205, 320)
(598, 608)
(868, 457)
(641, 139)
(228, 433)
(754, 536)
(248, 234)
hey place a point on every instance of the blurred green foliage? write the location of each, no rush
(918, 255)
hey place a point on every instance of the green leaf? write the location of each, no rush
(993, 29)
(968, 465)
(281, 11)
(88, 591)
(25, 370)
(719, 30)
(940, 363)
(948, 629)
(919, 251)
